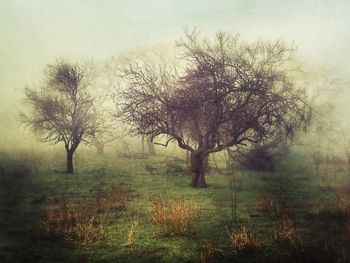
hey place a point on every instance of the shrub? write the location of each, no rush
(244, 239)
(175, 216)
(175, 166)
(264, 157)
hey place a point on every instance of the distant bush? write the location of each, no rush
(18, 164)
(175, 166)
(175, 216)
(264, 157)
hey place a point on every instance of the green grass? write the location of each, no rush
(30, 180)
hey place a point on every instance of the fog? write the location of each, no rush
(35, 33)
(134, 131)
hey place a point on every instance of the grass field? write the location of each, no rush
(289, 215)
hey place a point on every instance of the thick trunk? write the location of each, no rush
(70, 162)
(197, 171)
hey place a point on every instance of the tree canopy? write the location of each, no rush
(62, 109)
(225, 92)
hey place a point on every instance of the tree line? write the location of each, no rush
(222, 93)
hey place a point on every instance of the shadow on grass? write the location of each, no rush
(22, 238)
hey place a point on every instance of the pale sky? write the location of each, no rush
(35, 32)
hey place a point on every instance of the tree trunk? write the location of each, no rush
(230, 161)
(70, 169)
(150, 145)
(100, 148)
(197, 171)
(143, 145)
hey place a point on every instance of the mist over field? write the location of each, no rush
(174, 131)
(35, 33)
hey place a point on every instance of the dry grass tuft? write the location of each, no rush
(244, 239)
(73, 222)
(286, 230)
(175, 216)
(132, 234)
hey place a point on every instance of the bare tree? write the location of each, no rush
(223, 93)
(62, 110)
(101, 78)
(102, 138)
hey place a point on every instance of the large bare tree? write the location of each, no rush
(223, 93)
(62, 109)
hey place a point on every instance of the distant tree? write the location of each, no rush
(325, 88)
(62, 110)
(222, 93)
(100, 78)
(150, 146)
(102, 138)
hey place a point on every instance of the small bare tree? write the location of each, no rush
(62, 110)
(227, 93)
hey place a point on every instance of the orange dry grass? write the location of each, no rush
(73, 222)
(175, 216)
(244, 239)
(132, 233)
(286, 230)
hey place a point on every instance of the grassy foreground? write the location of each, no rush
(290, 215)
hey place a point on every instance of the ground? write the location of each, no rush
(295, 214)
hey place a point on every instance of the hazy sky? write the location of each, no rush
(35, 32)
